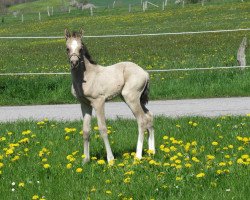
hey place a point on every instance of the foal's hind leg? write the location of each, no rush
(133, 101)
(150, 128)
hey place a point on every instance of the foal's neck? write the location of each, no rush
(77, 75)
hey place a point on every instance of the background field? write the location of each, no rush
(150, 52)
(196, 158)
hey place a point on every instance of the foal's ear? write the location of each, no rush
(81, 32)
(67, 34)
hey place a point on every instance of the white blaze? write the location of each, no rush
(74, 45)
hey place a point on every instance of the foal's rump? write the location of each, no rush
(135, 81)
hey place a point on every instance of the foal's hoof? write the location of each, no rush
(111, 162)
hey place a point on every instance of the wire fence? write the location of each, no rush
(150, 71)
(130, 35)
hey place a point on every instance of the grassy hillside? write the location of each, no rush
(150, 52)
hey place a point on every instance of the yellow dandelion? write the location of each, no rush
(69, 166)
(35, 197)
(195, 159)
(215, 143)
(219, 171)
(152, 162)
(121, 165)
(67, 137)
(129, 173)
(200, 175)
(178, 178)
(93, 189)
(108, 192)
(15, 158)
(27, 132)
(195, 124)
(165, 137)
(101, 162)
(79, 170)
(46, 166)
(222, 164)
(210, 157)
(150, 152)
(126, 180)
(108, 181)
(1, 165)
(188, 165)
(21, 184)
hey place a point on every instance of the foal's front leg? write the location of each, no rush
(86, 112)
(99, 109)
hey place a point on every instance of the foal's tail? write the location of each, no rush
(144, 96)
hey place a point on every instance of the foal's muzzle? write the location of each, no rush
(74, 61)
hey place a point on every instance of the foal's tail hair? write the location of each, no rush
(144, 96)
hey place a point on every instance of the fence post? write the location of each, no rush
(166, 2)
(241, 57)
(114, 4)
(48, 11)
(183, 3)
(69, 9)
(52, 10)
(91, 11)
(39, 16)
(129, 8)
(163, 5)
(22, 18)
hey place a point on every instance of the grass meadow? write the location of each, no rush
(150, 52)
(196, 158)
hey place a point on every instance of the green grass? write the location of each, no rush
(28, 90)
(178, 141)
(158, 52)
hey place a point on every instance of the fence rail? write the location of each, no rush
(129, 35)
(150, 71)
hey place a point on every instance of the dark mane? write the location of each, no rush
(86, 54)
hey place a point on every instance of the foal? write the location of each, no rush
(93, 84)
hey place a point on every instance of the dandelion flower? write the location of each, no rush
(67, 137)
(46, 166)
(200, 175)
(101, 162)
(129, 173)
(210, 157)
(178, 178)
(93, 189)
(108, 192)
(69, 165)
(79, 170)
(35, 197)
(21, 184)
(126, 180)
(215, 143)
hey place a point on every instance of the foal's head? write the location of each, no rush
(74, 47)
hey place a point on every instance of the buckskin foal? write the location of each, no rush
(93, 84)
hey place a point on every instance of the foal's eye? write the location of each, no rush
(67, 49)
